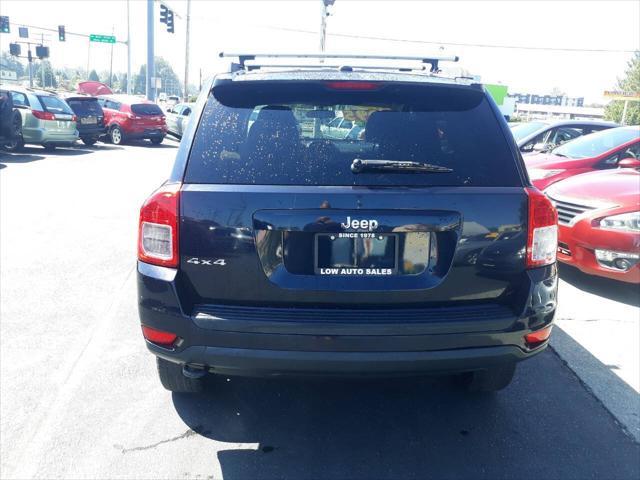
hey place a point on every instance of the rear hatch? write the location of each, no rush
(274, 213)
(88, 111)
(148, 115)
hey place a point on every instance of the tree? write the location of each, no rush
(166, 74)
(94, 76)
(630, 83)
(140, 81)
(50, 80)
(13, 64)
(123, 83)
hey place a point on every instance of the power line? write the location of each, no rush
(433, 42)
(484, 45)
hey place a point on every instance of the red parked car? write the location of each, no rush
(128, 117)
(597, 151)
(599, 221)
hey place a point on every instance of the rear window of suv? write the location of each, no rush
(146, 109)
(54, 104)
(85, 107)
(309, 133)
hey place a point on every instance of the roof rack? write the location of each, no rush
(244, 57)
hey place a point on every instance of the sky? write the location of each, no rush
(293, 26)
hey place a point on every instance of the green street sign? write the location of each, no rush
(102, 38)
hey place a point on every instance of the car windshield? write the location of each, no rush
(303, 133)
(89, 107)
(54, 104)
(597, 143)
(146, 109)
(522, 130)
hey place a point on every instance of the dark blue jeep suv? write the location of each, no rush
(282, 245)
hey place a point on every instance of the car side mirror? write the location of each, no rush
(629, 162)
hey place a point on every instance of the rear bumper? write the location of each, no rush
(254, 362)
(47, 137)
(147, 132)
(271, 341)
(91, 131)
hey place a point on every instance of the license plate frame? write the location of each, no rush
(357, 266)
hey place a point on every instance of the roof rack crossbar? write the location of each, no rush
(245, 57)
(401, 68)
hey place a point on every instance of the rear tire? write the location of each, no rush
(173, 380)
(115, 135)
(157, 140)
(14, 146)
(15, 125)
(492, 379)
(88, 141)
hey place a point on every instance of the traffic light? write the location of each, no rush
(170, 25)
(164, 13)
(61, 33)
(14, 49)
(4, 25)
(42, 51)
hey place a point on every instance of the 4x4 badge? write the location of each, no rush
(207, 261)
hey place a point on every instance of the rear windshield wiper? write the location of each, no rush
(360, 165)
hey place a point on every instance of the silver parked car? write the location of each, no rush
(47, 119)
(543, 136)
(178, 118)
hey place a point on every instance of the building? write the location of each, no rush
(7, 74)
(530, 111)
(558, 100)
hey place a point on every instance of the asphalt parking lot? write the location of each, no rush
(80, 396)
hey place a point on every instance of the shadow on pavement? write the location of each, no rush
(619, 291)
(545, 425)
(146, 143)
(99, 146)
(618, 397)
(22, 157)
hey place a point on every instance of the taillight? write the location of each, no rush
(158, 227)
(542, 240)
(74, 118)
(159, 337)
(43, 115)
(537, 338)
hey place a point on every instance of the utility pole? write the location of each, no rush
(151, 70)
(30, 58)
(88, 57)
(186, 58)
(111, 61)
(42, 61)
(323, 22)
(128, 52)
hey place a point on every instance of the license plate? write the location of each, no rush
(356, 253)
(88, 120)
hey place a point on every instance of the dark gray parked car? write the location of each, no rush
(543, 135)
(10, 119)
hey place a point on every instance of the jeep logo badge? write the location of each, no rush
(360, 224)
